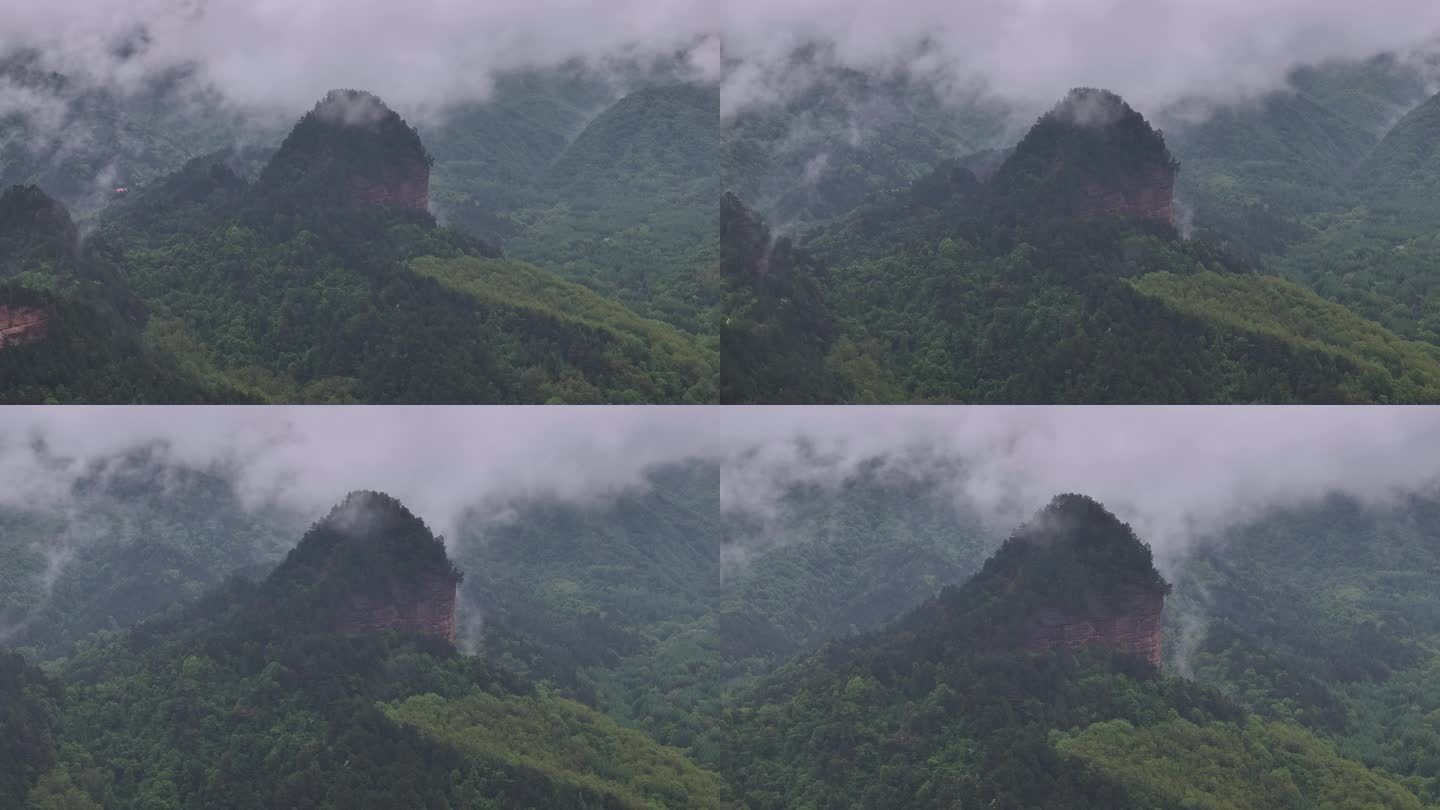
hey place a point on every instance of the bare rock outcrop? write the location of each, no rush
(20, 325)
(427, 607)
(1153, 199)
(405, 184)
(1135, 629)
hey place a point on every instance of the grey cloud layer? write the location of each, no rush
(1177, 473)
(269, 53)
(1031, 51)
(440, 461)
(277, 52)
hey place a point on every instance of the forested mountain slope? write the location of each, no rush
(301, 287)
(330, 683)
(1032, 287)
(982, 685)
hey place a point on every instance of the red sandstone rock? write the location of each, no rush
(1133, 628)
(406, 185)
(22, 325)
(1153, 199)
(428, 609)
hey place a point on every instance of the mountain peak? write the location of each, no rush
(353, 108)
(1400, 174)
(352, 150)
(1091, 107)
(1079, 534)
(1092, 155)
(369, 565)
(1072, 575)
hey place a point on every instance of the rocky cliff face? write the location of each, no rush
(405, 184)
(427, 607)
(1153, 199)
(21, 325)
(1135, 629)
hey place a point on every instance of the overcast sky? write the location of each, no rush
(289, 52)
(1177, 473)
(1151, 51)
(438, 460)
(434, 51)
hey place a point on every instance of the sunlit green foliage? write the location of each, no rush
(567, 742)
(1277, 308)
(1253, 766)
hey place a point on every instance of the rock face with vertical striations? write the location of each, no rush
(1133, 626)
(369, 566)
(1151, 196)
(1092, 156)
(427, 607)
(20, 325)
(352, 151)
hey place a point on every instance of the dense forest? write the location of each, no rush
(1068, 262)
(264, 692)
(1255, 708)
(872, 642)
(313, 270)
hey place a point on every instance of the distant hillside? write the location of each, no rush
(145, 533)
(847, 136)
(1402, 175)
(70, 328)
(1322, 614)
(627, 208)
(841, 561)
(613, 605)
(653, 147)
(79, 142)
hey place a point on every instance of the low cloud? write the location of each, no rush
(1154, 52)
(1179, 475)
(266, 53)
